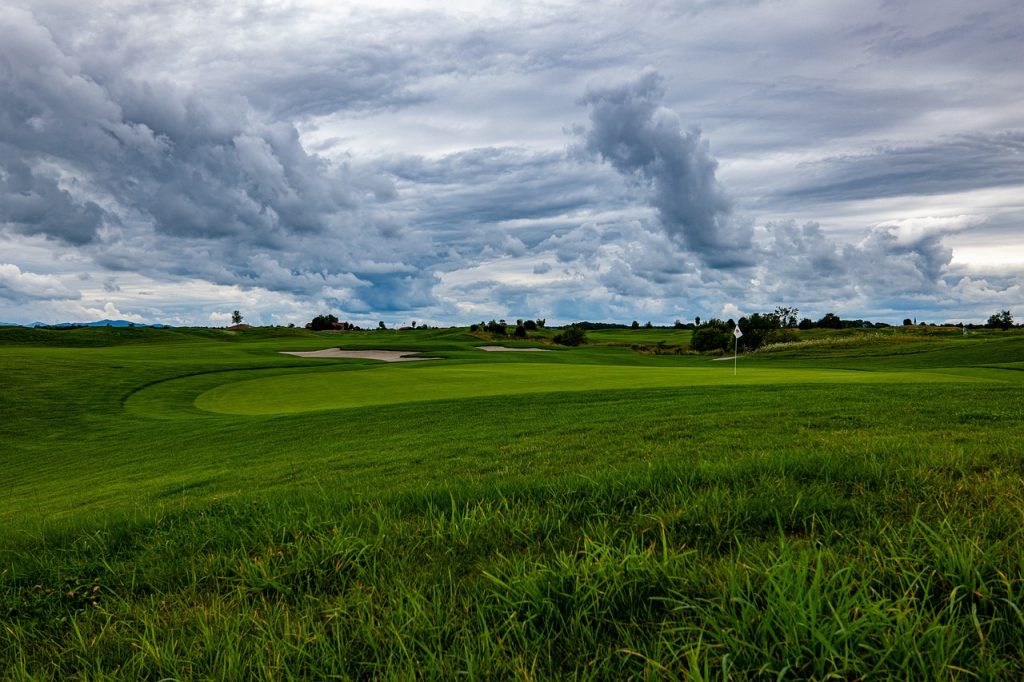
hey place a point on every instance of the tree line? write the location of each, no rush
(780, 325)
(777, 326)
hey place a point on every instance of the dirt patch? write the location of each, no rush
(493, 349)
(382, 355)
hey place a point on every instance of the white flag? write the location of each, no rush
(736, 332)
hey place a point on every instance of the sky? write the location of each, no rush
(450, 163)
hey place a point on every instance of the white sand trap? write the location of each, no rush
(493, 349)
(383, 355)
(731, 357)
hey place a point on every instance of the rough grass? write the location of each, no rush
(713, 573)
(761, 530)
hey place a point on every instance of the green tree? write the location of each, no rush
(756, 329)
(712, 335)
(322, 322)
(1003, 320)
(787, 316)
(830, 321)
(573, 335)
(236, 317)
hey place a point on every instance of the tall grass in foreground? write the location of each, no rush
(777, 569)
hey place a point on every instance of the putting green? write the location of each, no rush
(304, 392)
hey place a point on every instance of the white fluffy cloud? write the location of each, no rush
(19, 286)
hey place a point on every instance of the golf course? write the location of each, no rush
(182, 503)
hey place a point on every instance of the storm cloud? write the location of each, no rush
(646, 141)
(964, 162)
(381, 160)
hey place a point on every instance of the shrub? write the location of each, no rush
(572, 335)
(710, 336)
(830, 321)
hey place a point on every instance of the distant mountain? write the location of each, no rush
(100, 323)
(9, 324)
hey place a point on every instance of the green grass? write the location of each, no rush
(290, 393)
(651, 337)
(193, 504)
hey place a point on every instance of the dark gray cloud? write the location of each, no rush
(645, 141)
(990, 24)
(487, 197)
(195, 166)
(880, 262)
(960, 163)
(389, 160)
(813, 111)
(34, 202)
(215, 187)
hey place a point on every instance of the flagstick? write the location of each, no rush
(736, 334)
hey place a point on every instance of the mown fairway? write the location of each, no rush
(194, 504)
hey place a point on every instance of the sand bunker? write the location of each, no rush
(383, 355)
(493, 349)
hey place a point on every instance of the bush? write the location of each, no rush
(781, 336)
(762, 328)
(830, 321)
(571, 336)
(710, 336)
